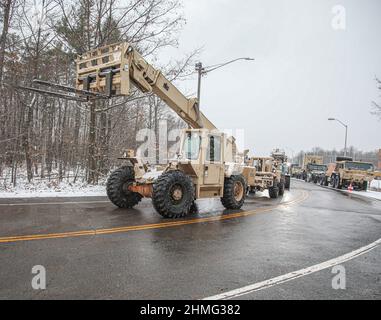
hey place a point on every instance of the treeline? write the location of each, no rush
(331, 155)
(42, 135)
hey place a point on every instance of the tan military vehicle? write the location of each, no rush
(296, 171)
(308, 159)
(208, 163)
(377, 175)
(265, 177)
(313, 169)
(282, 167)
(328, 174)
(347, 173)
(315, 173)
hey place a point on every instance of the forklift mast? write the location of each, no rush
(111, 70)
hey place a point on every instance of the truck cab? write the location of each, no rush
(348, 173)
(315, 172)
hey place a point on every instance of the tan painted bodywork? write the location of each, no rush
(349, 177)
(130, 68)
(354, 176)
(261, 173)
(296, 171)
(134, 69)
(377, 175)
(331, 169)
(312, 160)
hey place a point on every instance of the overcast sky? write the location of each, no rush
(305, 70)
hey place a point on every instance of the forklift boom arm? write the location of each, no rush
(112, 69)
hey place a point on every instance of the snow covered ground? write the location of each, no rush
(376, 185)
(373, 193)
(62, 190)
(369, 194)
(43, 188)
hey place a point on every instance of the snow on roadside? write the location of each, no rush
(373, 193)
(61, 190)
(49, 188)
(368, 194)
(376, 185)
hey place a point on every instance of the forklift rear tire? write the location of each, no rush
(274, 192)
(281, 189)
(288, 183)
(173, 195)
(117, 190)
(234, 193)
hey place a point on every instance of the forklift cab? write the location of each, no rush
(204, 150)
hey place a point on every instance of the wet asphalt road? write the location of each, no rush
(202, 256)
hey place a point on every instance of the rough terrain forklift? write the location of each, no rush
(208, 164)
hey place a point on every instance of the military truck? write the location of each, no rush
(312, 166)
(348, 173)
(296, 171)
(315, 173)
(283, 168)
(264, 178)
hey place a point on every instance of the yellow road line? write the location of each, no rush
(304, 196)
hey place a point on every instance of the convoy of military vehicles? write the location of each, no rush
(208, 164)
(345, 173)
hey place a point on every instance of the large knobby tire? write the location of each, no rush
(365, 186)
(234, 193)
(287, 185)
(173, 195)
(274, 191)
(333, 181)
(340, 186)
(281, 188)
(337, 183)
(117, 188)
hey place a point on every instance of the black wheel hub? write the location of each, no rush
(177, 194)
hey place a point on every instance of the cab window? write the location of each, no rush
(192, 146)
(214, 149)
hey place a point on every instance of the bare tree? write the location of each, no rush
(49, 138)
